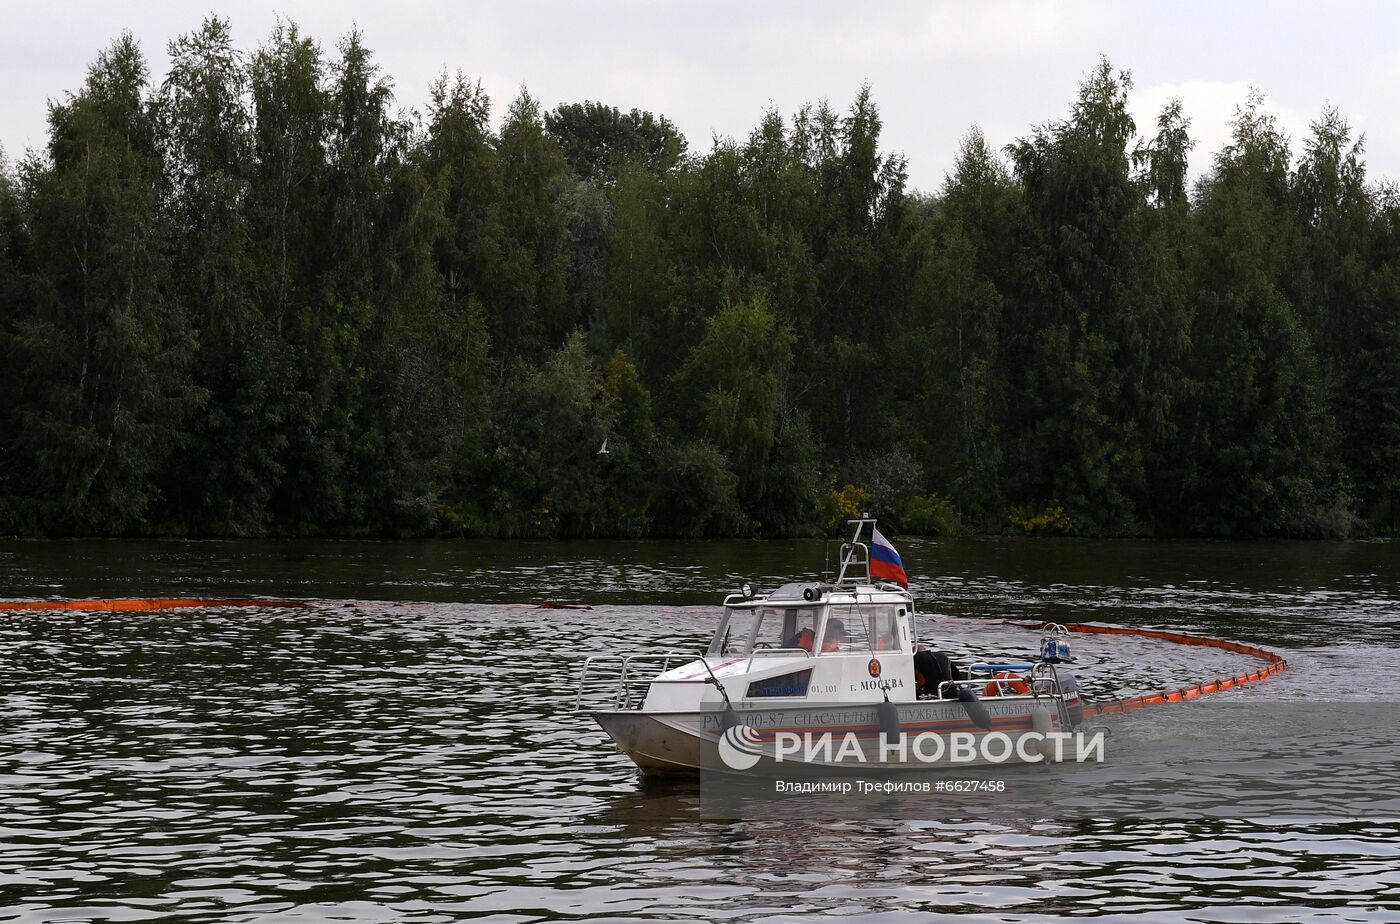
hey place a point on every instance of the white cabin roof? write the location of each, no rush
(793, 595)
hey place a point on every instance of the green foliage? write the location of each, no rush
(1258, 429)
(260, 299)
(13, 298)
(735, 377)
(792, 482)
(847, 503)
(930, 515)
(631, 447)
(890, 480)
(1077, 432)
(221, 480)
(694, 492)
(532, 304)
(563, 415)
(634, 303)
(1051, 520)
(597, 140)
(104, 347)
(1164, 158)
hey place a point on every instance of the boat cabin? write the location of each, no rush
(848, 641)
(815, 619)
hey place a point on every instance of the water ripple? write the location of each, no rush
(412, 760)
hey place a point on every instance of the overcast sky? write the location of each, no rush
(935, 68)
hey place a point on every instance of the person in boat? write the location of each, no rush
(802, 639)
(932, 669)
(831, 639)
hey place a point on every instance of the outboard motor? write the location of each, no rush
(1069, 688)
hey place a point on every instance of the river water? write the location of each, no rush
(404, 748)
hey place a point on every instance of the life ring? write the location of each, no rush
(1011, 682)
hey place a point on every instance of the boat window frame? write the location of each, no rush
(719, 641)
(865, 611)
(851, 611)
(891, 614)
(758, 608)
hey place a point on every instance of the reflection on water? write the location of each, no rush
(415, 759)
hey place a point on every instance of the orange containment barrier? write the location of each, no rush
(1274, 664)
(138, 605)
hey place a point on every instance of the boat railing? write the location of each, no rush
(1043, 681)
(620, 680)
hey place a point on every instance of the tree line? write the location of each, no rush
(257, 299)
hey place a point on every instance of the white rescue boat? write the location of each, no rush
(838, 663)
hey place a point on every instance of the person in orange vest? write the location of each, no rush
(834, 636)
(831, 640)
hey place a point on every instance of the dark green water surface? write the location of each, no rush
(404, 749)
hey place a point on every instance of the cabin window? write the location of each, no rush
(787, 627)
(846, 630)
(746, 630)
(794, 684)
(863, 627)
(884, 628)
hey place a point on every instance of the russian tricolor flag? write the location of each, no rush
(885, 562)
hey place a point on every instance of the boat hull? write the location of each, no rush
(687, 742)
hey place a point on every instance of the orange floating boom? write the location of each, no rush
(1276, 664)
(139, 605)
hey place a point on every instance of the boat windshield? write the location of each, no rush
(745, 630)
(865, 627)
